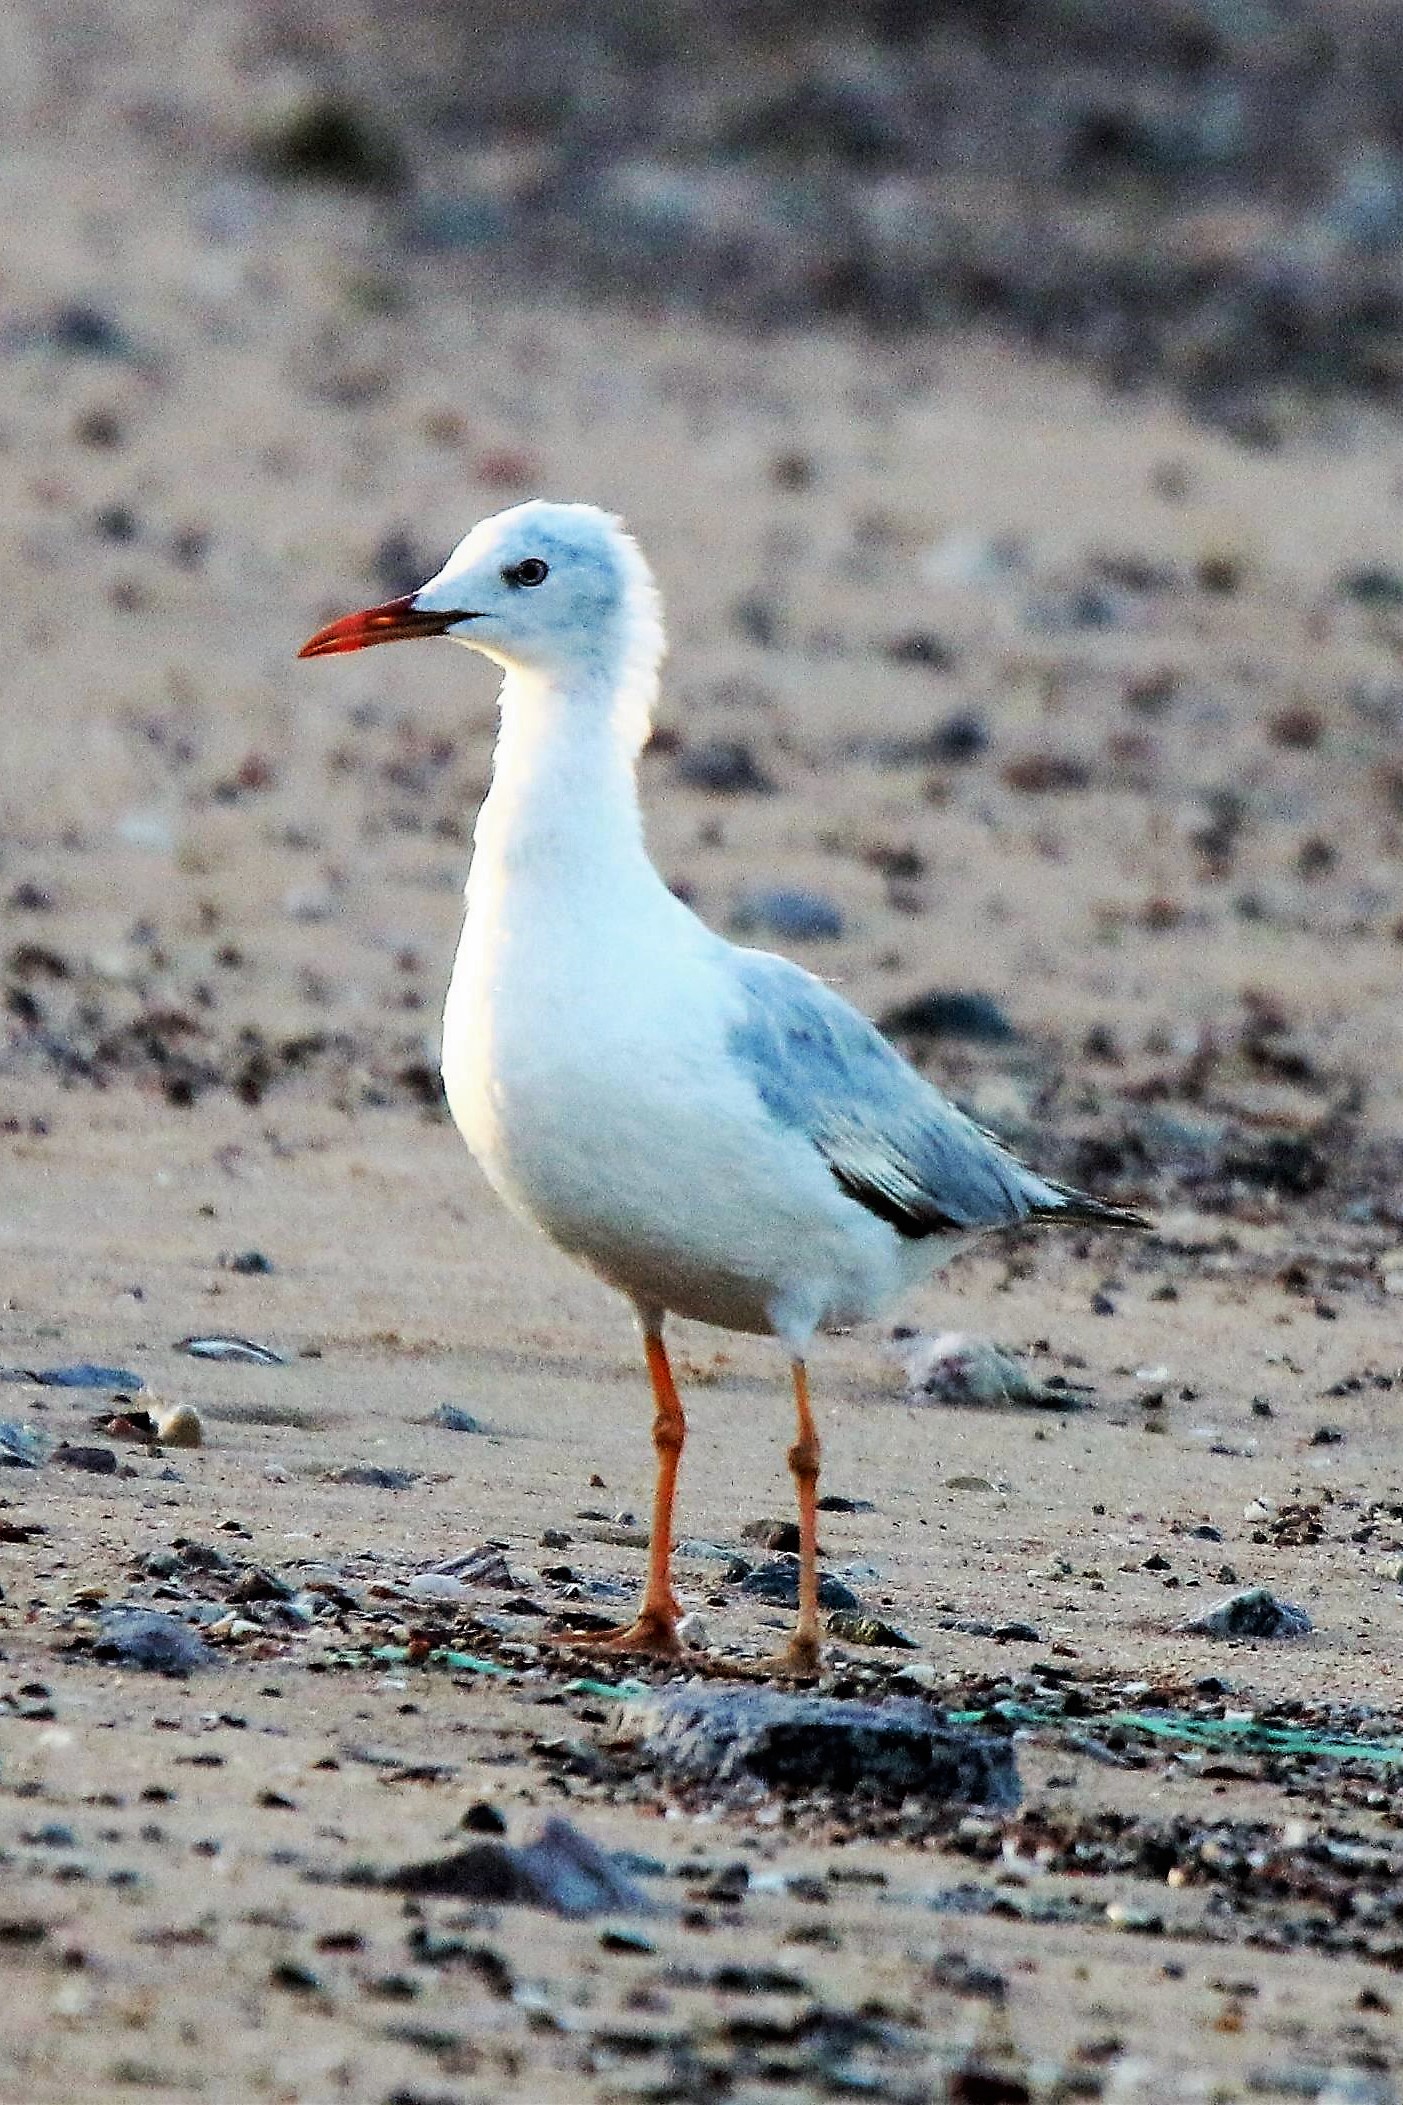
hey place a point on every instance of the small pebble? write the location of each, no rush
(778, 1581)
(801, 917)
(725, 767)
(455, 1420)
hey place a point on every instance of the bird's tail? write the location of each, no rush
(1068, 1205)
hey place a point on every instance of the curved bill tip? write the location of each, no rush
(393, 621)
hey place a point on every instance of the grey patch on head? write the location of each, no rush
(890, 1140)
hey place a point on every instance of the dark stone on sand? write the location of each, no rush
(854, 1629)
(157, 1643)
(371, 1476)
(781, 1535)
(776, 910)
(959, 737)
(98, 1461)
(250, 1264)
(778, 1581)
(726, 767)
(328, 139)
(561, 1871)
(1255, 1612)
(922, 647)
(78, 327)
(901, 1749)
(948, 1013)
(1372, 585)
(454, 1420)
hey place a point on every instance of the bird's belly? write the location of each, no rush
(622, 1144)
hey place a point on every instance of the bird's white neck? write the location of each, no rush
(563, 805)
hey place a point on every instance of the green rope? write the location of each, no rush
(1244, 1734)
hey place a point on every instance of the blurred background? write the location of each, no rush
(1006, 394)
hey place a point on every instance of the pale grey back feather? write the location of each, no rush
(892, 1141)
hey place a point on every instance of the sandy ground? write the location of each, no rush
(232, 894)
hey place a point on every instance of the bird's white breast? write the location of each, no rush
(587, 1066)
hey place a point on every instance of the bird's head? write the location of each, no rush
(558, 590)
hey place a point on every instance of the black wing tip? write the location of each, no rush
(913, 1223)
(1078, 1208)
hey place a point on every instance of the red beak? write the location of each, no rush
(396, 621)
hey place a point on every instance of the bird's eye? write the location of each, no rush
(531, 571)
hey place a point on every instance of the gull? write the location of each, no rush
(709, 1128)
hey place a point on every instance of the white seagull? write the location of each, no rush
(709, 1128)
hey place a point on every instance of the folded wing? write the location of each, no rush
(890, 1141)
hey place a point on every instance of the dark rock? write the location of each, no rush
(869, 1630)
(755, 619)
(921, 647)
(1255, 1612)
(1038, 774)
(141, 1637)
(803, 917)
(561, 1871)
(958, 1974)
(28, 897)
(329, 140)
(962, 736)
(760, 1738)
(726, 767)
(249, 1264)
(87, 331)
(98, 1461)
(1372, 585)
(256, 1583)
(946, 1013)
(773, 1535)
(371, 1476)
(1286, 1162)
(454, 1420)
(116, 522)
(778, 1581)
(481, 1818)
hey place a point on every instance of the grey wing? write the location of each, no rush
(890, 1140)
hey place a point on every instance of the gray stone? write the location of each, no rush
(1255, 1612)
(756, 1740)
(778, 910)
(561, 1871)
(157, 1643)
(778, 1581)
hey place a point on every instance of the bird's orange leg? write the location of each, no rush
(804, 1652)
(655, 1627)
